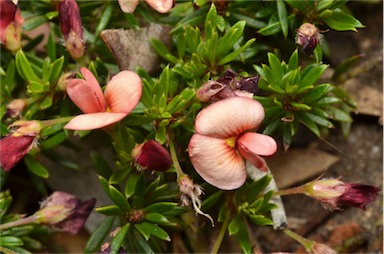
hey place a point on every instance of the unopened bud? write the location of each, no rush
(10, 25)
(71, 28)
(308, 36)
(16, 107)
(151, 155)
(337, 195)
(18, 143)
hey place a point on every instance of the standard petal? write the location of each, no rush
(128, 6)
(86, 94)
(123, 92)
(216, 162)
(94, 121)
(229, 117)
(162, 6)
(251, 145)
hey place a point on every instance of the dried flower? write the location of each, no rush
(151, 155)
(121, 95)
(71, 28)
(223, 140)
(308, 36)
(65, 212)
(16, 107)
(337, 195)
(227, 86)
(191, 192)
(162, 6)
(18, 143)
(10, 25)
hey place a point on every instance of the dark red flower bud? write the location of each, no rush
(16, 145)
(151, 155)
(308, 36)
(65, 212)
(10, 25)
(337, 195)
(71, 27)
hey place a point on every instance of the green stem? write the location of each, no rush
(175, 160)
(307, 244)
(23, 221)
(220, 237)
(6, 251)
(291, 191)
(50, 122)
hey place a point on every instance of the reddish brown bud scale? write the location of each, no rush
(151, 155)
(357, 195)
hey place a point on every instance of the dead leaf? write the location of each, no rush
(299, 164)
(132, 48)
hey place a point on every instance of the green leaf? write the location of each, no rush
(101, 165)
(163, 51)
(161, 134)
(230, 38)
(35, 167)
(104, 19)
(160, 207)
(243, 238)
(98, 235)
(130, 186)
(24, 67)
(339, 115)
(308, 122)
(56, 67)
(282, 13)
(250, 21)
(117, 241)
(310, 77)
(319, 120)
(316, 93)
(231, 56)
(211, 201)
(33, 22)
(234, 225)
(119, 198)
(293, 61)
(302, 5)
(53, 141)
(148, 229)
(275, 65)
(10, 241)
(339, 20)
(158, 218)
(270, 29)
(260, 220)
(110, 210)
(324, 4)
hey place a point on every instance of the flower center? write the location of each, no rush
(231, 141)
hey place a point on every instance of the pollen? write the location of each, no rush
(231, 141)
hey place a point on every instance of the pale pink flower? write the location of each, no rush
(162, 6)
(120, 97)
(223, 138)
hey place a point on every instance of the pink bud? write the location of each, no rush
(16, 107)
(65, 212)
(151, 155)
(71, 27)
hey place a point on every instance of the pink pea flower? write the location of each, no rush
(223, 138)
(162, 6)
(10, 25)
(120, 97)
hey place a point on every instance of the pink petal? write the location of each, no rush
(162, 6)
(251, 145)
(94, 120)
(86, 94)
(229, 117)
(128, 6)
(216, 162)
(123, 92)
